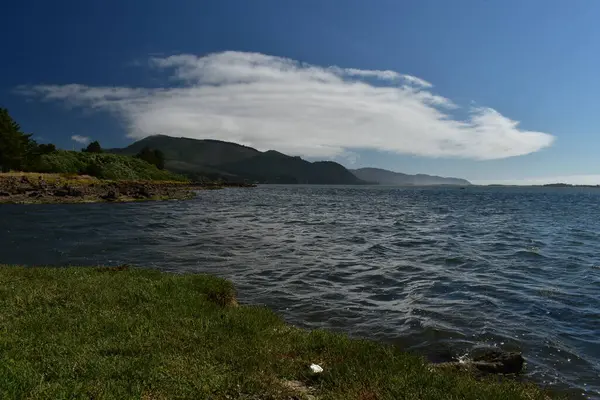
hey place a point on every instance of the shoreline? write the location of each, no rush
(35, 188)
(135, 332)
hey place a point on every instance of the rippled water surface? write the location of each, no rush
(430, 269)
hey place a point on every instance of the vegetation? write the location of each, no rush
(116, 333)
(93, 147)
(52, 179)
(190, 151)
(154, 157)
(47, 148)
(18, 152)
(232, 162)
(103, 166)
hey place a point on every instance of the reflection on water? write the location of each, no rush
(434, 270)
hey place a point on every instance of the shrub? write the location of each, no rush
(103, 166)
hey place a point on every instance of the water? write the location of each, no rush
(430, 269)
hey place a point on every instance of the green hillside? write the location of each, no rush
(191, 152)
(214, 159)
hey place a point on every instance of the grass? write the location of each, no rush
(105, 333)
(52, 178)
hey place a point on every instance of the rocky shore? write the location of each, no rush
(38, 188)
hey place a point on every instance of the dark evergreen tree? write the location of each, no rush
(46, 148)
(17, 149)
(154, 157)
(160, 159)
(93, 147)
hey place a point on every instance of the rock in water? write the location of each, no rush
(499, 362)
(490, 362)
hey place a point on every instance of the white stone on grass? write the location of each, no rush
(316, 368)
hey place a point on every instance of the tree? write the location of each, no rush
(93, 147)
(154, 157)
(46, 148)
(146, 154)
(17, 149)
(160, 159)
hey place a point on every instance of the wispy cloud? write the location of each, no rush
(80, 139)
(276, 103)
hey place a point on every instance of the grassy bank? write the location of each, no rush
(100, 333)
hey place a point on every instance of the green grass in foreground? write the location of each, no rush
(141, 334)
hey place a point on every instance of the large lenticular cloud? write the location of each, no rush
(276, 103)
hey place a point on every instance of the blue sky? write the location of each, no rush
(418, 87)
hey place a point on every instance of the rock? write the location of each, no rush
(111, 195)
(438, 353)
(61, 193)
(490, 362)
(4, 194)
(75, 192)
(143, 192)
(34, 194)
(499, 362)
(316, 369)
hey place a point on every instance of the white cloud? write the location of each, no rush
(80, 139)
(276, 103)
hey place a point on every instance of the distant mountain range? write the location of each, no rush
(385, 177)
(215, 159)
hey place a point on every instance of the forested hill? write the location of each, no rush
(216, 159)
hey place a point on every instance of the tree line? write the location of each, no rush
(19, 152)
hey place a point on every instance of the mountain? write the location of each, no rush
(216, 159)
(192, 151)
(274, 167)
(385, 177)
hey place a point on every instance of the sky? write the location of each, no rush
(491, 91)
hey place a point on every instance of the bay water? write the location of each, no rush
(439, 271)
